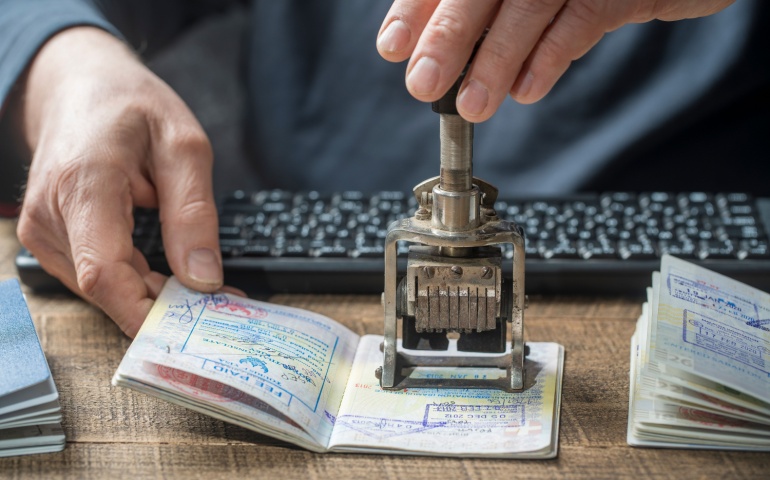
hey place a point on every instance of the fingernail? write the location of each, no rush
(525, 86)
(395, 37)
(474, 98)
(423, 78)
(203, 266)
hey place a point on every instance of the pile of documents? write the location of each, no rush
(29, 403)
(700, 363)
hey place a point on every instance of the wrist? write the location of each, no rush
(65, 66)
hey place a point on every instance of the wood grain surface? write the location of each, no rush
(114, 433)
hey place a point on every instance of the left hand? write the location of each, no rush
(529, 46)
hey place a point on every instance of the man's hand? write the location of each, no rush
(529, 46)
(107, 136)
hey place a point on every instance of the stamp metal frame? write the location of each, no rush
(457, 222)
(416, 231)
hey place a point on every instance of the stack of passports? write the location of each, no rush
(700, 363)
(30, 416)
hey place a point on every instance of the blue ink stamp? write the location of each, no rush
(760, 324)
(474, 416)
(255, 363)
(383, 428)
(330, 417)
(711, 297)
(725, 340)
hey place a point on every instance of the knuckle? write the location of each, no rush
(552, 52)
(196, 211)
(190, 142)
(66, 183)
(84, 180)
(38, 227)
(88, 274)
(651, 9)
(530, 10)
(588, 12)
(28, 227)
(497, 57)
(29, 237)
(73, 192)
(448, 28)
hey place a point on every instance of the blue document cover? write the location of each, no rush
(30, 414)
(22, 363)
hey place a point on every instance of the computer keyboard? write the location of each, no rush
(280, 241)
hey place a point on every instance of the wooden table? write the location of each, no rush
(116, 433)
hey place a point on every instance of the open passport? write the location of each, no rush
(700, 363)
(303, 378)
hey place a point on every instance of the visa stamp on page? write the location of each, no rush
(725, 340)
(452, 414)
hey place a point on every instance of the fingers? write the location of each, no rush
(234, 291)
(54, 257)
(153, 280)
(511, 37)
(529, 45)
(188, 212)
(578, 26)
(445, 45)
(670, 11)
(77, 221)
(96, 207)
(403, 25)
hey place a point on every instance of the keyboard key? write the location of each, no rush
(753, 249)
(715, 249)
(596, 249)
(331, 251)
(257, 249)
(364, 251)
(614, 227)
(555, 249)
(297, 248)
(678, 248)
(634, 250)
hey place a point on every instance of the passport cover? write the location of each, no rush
(22, 363)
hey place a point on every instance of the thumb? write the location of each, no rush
(183, 179)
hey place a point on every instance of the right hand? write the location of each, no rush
(529, 45)
(107, 135)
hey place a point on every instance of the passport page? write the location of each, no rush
(456, 422)
(710, 326)
(274, 369)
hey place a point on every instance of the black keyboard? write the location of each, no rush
(279, 241)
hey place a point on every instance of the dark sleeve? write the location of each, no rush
(26, 24)
(150, 24)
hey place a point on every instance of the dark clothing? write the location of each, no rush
(662, 105)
